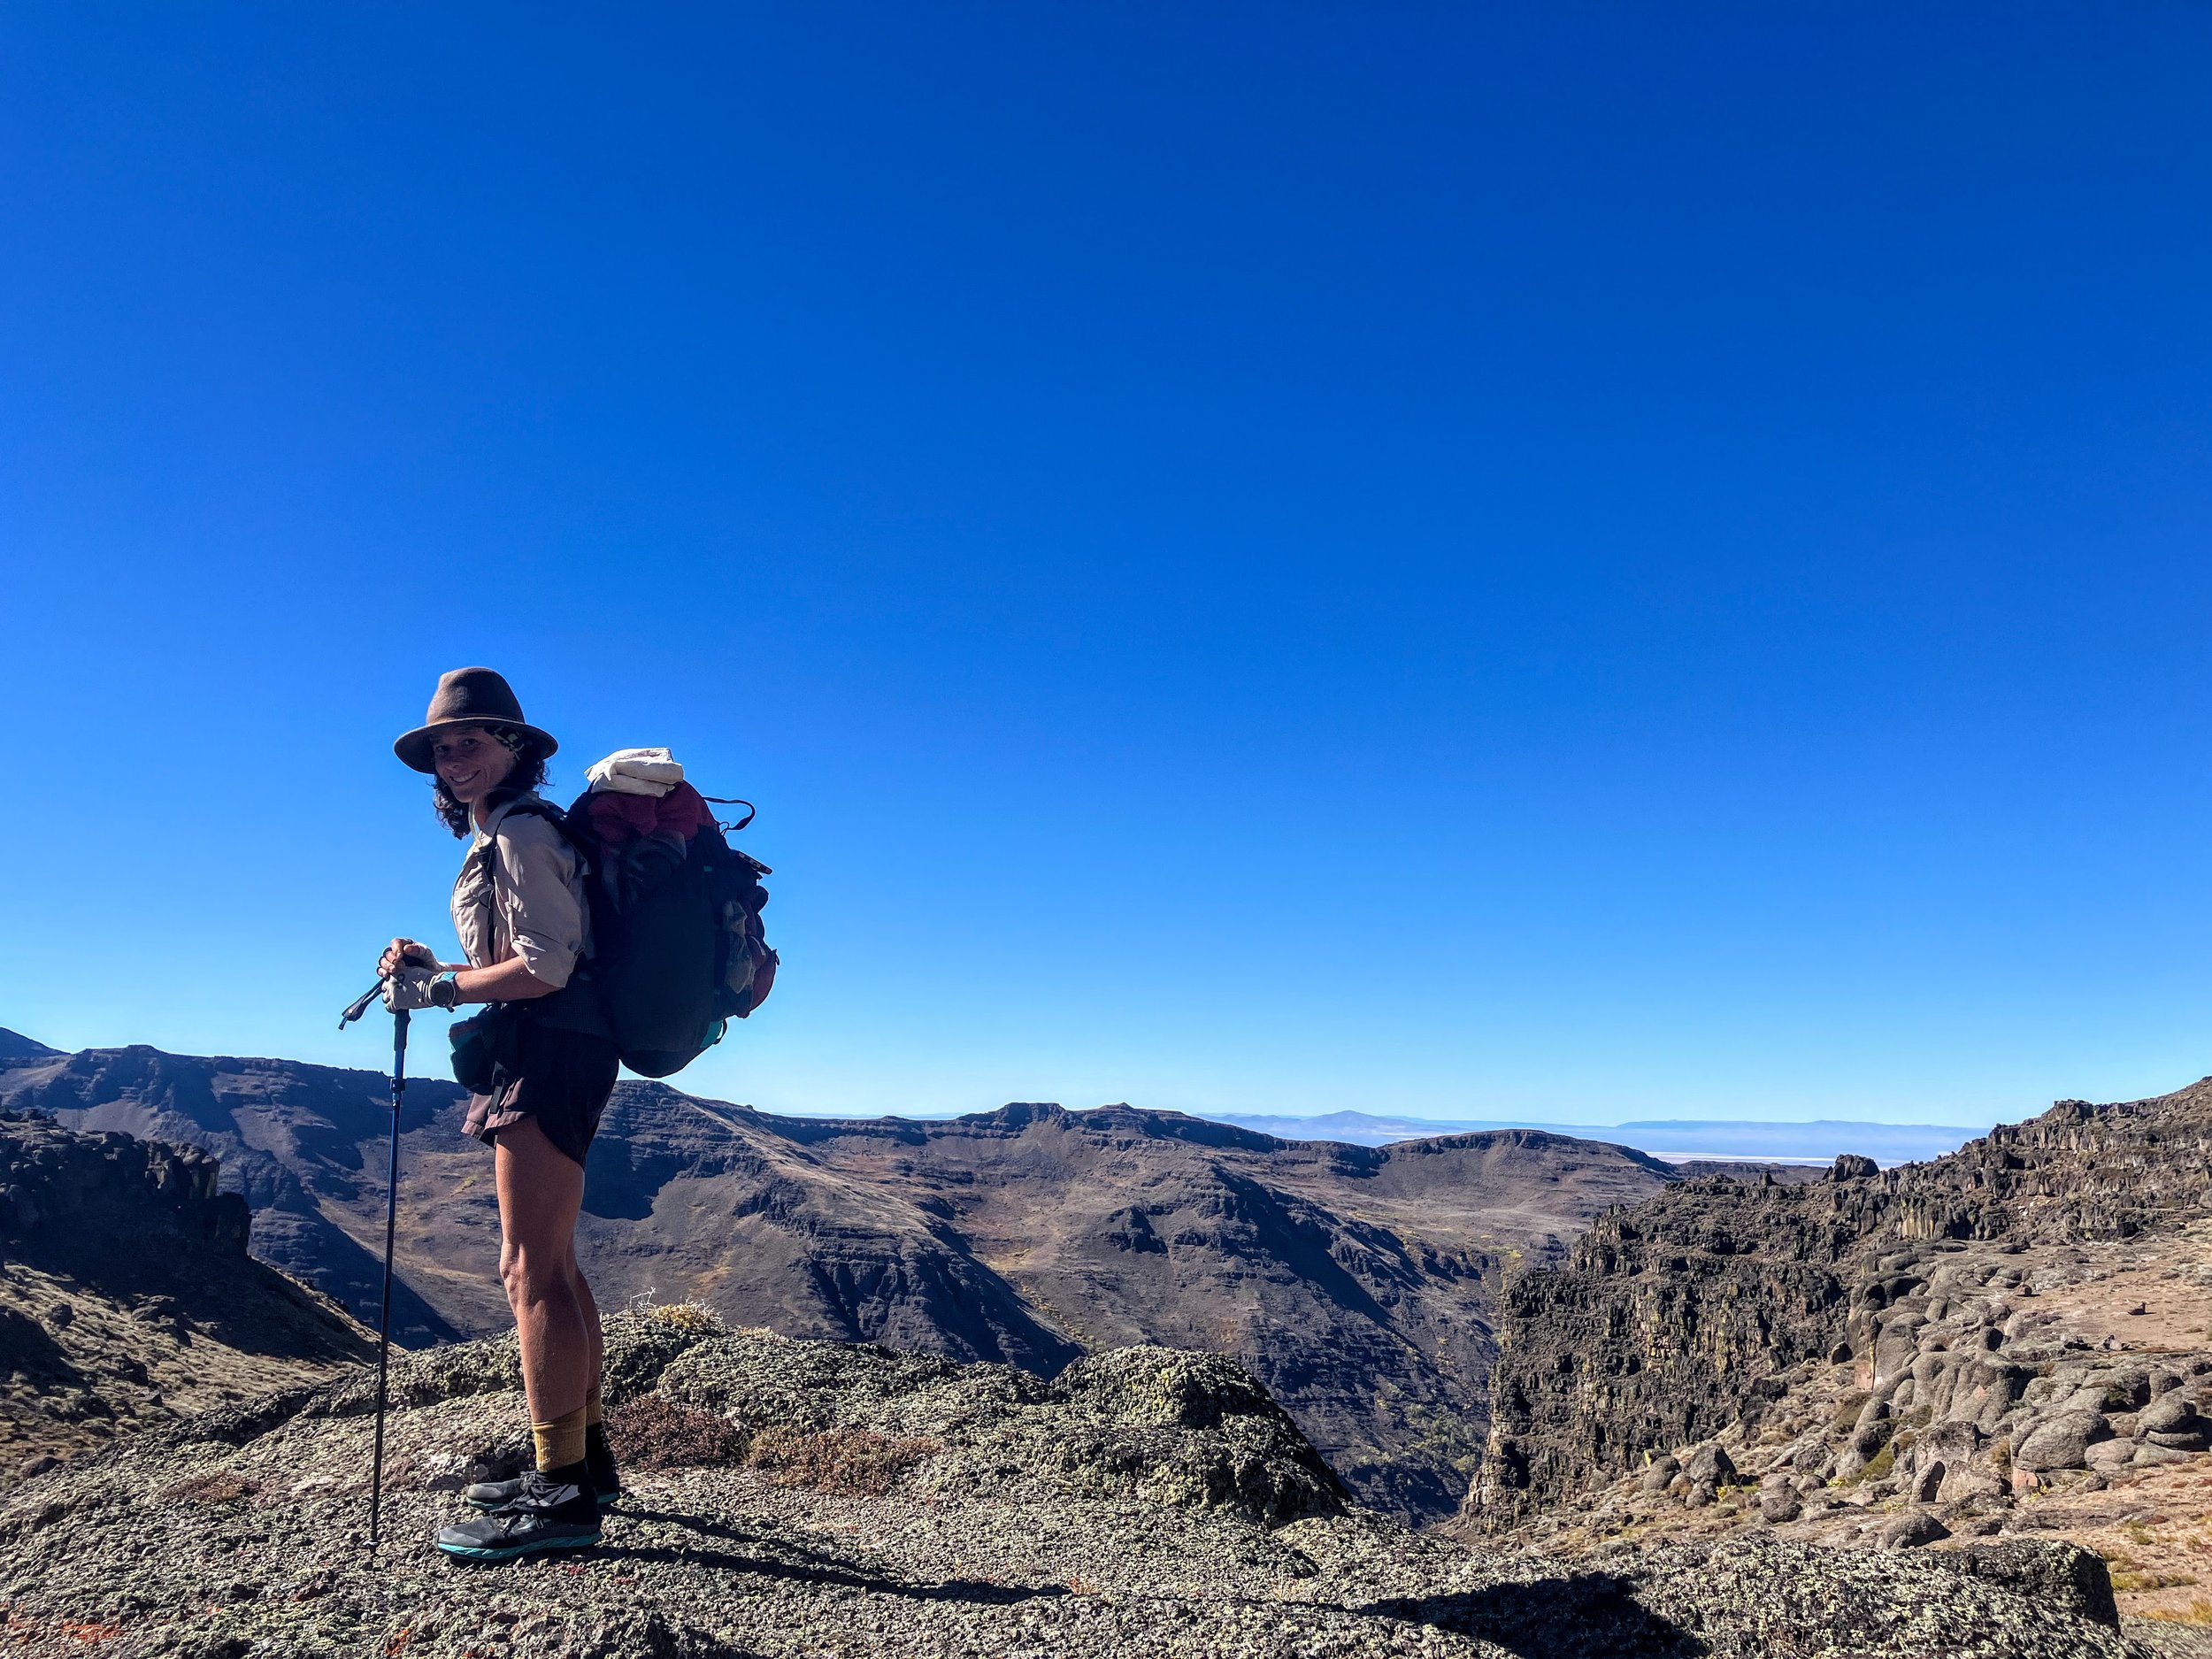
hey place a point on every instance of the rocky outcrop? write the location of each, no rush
(73, 1200)
(126, 1296)
(301, 1145)
(1671, 1321)
(789, 1498)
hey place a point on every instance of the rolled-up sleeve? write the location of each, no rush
(540, 898)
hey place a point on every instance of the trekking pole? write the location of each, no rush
(391, 1224)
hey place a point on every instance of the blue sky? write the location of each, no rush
(1576, 562)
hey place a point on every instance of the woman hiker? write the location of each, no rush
(541, 1063)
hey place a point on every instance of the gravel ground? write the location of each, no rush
(1151, 1504)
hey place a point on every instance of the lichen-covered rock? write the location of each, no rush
(1709, 1466)
(2170, 1413)
(2057, 1574)
(2195, 1439)
(1172, 1427)
(1750, 1600)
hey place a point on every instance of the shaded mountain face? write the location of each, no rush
(126, 1296)
(1357, 1283)
(16, 1048)
(303, 1145)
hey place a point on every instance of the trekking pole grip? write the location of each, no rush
(359, 1005)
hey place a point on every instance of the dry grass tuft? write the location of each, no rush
(686, 1315)
(857, 1463)
(2124, 1578)
(221, 1487)
(653, 1432)
(2198, 1612)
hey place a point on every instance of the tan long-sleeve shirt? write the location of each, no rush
(521, 893)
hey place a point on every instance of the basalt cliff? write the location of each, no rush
(2012, 1340)
(127, 1300)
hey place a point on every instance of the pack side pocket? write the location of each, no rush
(483, 1049)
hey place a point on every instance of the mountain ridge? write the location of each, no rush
(1810, 1140)
(1357, 1282)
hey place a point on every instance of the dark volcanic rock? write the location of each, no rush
(126, 1293)
(109, 1203)
(299, 1143)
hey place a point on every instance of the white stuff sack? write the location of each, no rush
(635, 771)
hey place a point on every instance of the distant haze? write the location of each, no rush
(1813, 1141)
(1818, 1141)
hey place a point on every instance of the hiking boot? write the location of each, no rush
(599, 1458)
(495, 1495)
(545, 1515)
(605, 1481)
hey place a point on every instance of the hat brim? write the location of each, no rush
(414, 747)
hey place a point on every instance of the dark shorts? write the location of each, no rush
(560, 1078)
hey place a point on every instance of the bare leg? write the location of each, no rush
(541, 1190)
(590, 1310)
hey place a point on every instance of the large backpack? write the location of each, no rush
(677, 947)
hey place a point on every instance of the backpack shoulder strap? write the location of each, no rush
(537, 806)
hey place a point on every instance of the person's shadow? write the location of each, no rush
(1585, 1616)
(775, 1558)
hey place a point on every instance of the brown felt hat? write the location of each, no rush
(467, 696)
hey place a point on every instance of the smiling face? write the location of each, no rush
(471, 763)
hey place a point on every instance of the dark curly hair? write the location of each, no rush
(527, 773)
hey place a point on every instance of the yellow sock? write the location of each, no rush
(560, 1442)
(594, 1412)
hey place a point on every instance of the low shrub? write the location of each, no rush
(653, 1432)
(2134, 1578)
(857, 1463)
